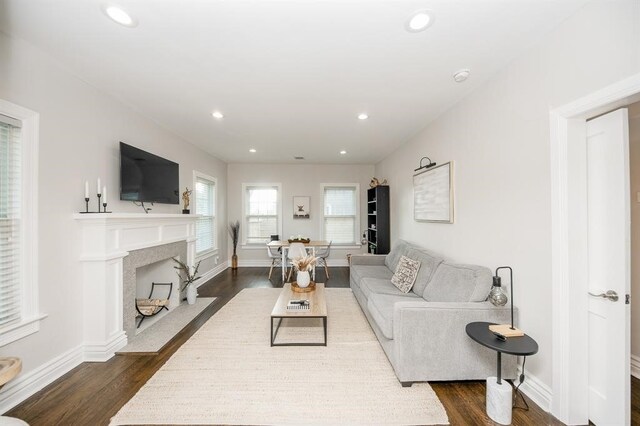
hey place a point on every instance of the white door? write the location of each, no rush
(609, 268)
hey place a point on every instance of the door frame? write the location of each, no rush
(569, 245)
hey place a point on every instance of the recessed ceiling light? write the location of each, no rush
(343, 152)
(117, 14)
(217, 114)
(252, 150)
(363, 116)
(461, 75)
(420, 21)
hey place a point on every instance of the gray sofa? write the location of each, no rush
(423, 332)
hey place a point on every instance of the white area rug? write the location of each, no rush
(156, 336)
(228, 374)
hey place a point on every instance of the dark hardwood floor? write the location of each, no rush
(92, 393)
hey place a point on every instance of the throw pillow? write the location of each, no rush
(406, 274)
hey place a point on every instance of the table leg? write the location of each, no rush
(325, 330)
(499, 367)
(313, 273)
(499, 397)
(284, 264)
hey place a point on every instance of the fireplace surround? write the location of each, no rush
(113, 246)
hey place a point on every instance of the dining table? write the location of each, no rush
(284, 245)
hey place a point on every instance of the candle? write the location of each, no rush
(86, 189)
(104, 195)
(98, 187)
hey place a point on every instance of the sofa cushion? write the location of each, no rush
(370, 286)
(399, 249)
(381, 310)
(458, 283)
(358, 272)
(428, 264)
(406, 274)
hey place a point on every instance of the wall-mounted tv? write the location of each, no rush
(147, 177)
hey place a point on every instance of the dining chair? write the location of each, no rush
(276, 258)
(322, 257)
(295, 251)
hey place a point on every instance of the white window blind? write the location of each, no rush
(340, 214)
(261, 207)
(10, 221)
(206, 207)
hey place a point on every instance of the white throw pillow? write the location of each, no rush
(406, 274)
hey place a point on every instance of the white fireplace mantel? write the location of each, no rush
(106, 239)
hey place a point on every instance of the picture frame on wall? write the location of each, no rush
(301, 207)
(433, 194)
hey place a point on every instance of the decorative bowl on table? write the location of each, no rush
(297, 289)
(299, 240)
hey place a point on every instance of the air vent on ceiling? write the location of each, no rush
(298, 158)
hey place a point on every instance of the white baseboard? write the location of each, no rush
(535, 389)
(101, 352)
(212, 273)
(25, 385)
(635, 366)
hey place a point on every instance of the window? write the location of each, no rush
(340, 208)
(262, 212)
(205, 198)
(18, 220)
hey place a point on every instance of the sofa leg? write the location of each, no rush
(406, 384)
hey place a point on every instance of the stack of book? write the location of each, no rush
(298, 305)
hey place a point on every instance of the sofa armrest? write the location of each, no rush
(426, 331)
(368, 259)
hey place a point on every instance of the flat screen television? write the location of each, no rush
(147, 177)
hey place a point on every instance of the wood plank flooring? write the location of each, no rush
(92, 393)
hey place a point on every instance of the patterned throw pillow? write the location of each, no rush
(406, 274)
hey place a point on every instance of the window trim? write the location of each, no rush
(30, 314)
(216, 244)
(243, 233)
(356, 235)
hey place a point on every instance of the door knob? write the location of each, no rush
(611, 295)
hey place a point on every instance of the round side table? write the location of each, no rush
(10, 367)
(499, 394)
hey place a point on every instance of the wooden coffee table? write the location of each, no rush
(317, 309)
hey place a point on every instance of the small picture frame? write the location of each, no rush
(301, 207)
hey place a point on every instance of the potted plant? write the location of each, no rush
(188, 276)
(304, 265)
(234, 232)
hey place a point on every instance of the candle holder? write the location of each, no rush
(99, 196)
(86, 202)
(104, 205)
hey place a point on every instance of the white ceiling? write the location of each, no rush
(290, 76)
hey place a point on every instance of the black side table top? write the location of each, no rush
(521, 345)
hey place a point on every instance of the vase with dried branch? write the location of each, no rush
(234, 232)
(188, 275)
(304, 265)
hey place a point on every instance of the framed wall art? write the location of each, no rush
(433, 194)
(301, 207)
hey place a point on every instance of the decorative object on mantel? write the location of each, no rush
(304, 265)
(301, 207)
(188, 277)
(375, 182)
(503, 330)
(101, 193)
(185, 200)
(433, 193)
(299, 239)
(234, 231)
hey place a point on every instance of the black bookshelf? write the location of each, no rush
(378, 224)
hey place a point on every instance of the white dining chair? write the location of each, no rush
(276, 259)
(322, 257)
(295, 251)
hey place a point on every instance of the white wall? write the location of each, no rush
(498, 138)
(296, 180)
(634, 163)
(80, 128)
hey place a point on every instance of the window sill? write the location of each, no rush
(206, 254)
(18, 331)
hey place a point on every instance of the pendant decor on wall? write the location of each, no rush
(433, 193)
